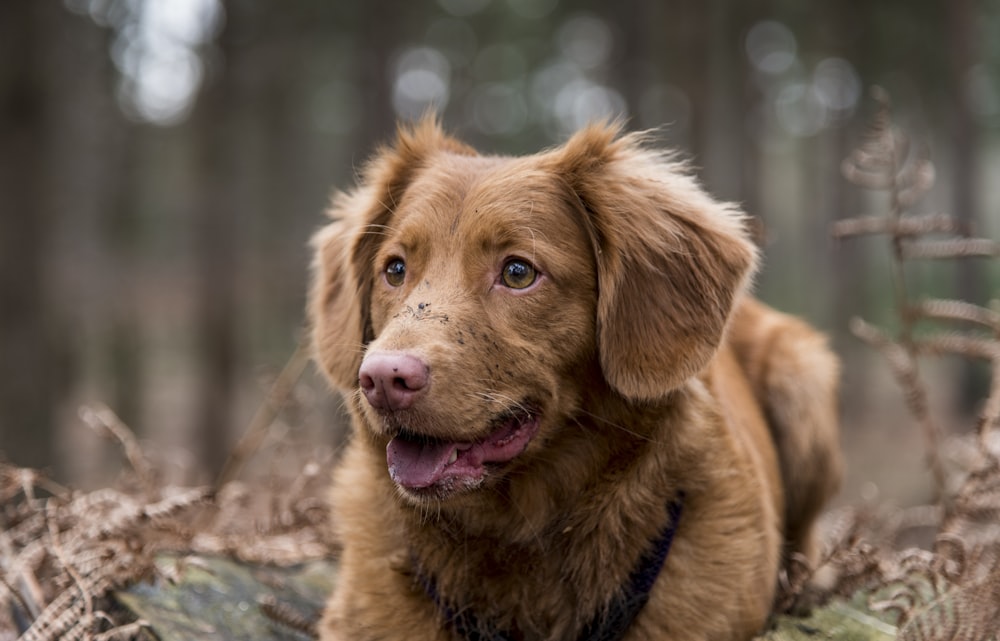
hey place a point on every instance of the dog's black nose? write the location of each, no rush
(392, 380)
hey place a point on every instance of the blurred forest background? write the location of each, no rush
(163, 164)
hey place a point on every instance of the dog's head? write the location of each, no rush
(471, 303)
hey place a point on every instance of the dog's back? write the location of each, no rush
(794, 377)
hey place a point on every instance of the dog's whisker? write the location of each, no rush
(534, 243)
(392, 199)
(382, 226)
(506, 403)
(535, 533)
(616, 426)
(354, 348)
(376, 230)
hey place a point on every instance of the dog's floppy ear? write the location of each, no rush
(671, 261)
(343, 269)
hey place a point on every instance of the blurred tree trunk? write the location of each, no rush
(34, 337)
(963, 45)
(722, 129)
(637, 74)
(217, 229)
(850, 264)
(692, 29)
(91, 253)
(26, 409)
(380, 31)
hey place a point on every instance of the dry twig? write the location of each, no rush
(266, 413)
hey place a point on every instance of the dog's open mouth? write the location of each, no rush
(418, 463)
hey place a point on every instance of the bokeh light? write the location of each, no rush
(423, 82)
(157, 49)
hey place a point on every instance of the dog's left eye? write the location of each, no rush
(395, 272)
(517, 274)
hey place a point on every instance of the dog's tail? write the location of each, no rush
(794, 375)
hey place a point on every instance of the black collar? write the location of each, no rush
(608, 624)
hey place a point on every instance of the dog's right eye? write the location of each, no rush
(518, 274)
(395, 272)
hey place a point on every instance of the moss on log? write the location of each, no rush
(216, 599)
(836, 621)
(212, 598)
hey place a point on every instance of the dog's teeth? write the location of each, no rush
(453, 457)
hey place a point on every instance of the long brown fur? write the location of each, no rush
(651, 369)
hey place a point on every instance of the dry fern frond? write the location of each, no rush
(884, 160)
(914, 180)
(105, 422)
(957, 310)
(61, 556)
(123, 632)
(873, 163)
(903, 365)
(289, 616)
(951, 591)
(955, 248)
(989, 417)
(966, 613)
(909, 226)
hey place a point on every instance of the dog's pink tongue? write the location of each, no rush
(417, 465)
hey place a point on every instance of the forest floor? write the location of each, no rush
(253, 560)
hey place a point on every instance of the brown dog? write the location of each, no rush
(570, 421)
